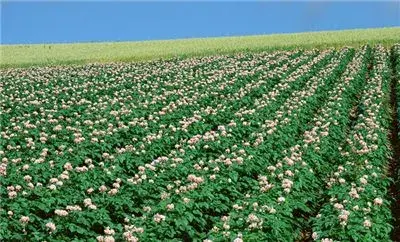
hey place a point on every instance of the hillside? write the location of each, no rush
(80, 53)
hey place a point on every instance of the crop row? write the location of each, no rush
(358, 208)
(396, 53)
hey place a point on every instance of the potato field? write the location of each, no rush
(294, 145)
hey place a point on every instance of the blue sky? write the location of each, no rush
(65, 22)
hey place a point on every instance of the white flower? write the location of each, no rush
(343, 217)
(24, 219)
(338, 206)
(378, 201)
(158, 218)
(363, 180)
(314, 236)
(12, 194)
(109, 231)
(367, 223)
(226, 226)
(61, 213)
(102, 188)
(51, 226)
(272, 210)
(170, 207)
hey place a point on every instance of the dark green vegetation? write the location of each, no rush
(271, 146)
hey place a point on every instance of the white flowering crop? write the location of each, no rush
(244, 147)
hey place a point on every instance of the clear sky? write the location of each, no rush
(86, 21)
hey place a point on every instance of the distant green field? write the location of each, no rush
(51, 54)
